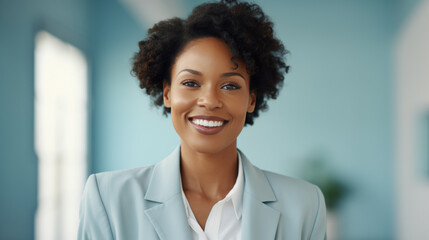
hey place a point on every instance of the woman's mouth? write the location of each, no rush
(208, 125)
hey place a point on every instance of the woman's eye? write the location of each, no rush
(190, 84)
(231, 86)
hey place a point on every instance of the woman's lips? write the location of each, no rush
(207, 124)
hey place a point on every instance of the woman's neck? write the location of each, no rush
(210, 174)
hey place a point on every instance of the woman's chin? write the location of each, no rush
(208, 147)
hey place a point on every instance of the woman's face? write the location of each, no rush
(208, 96)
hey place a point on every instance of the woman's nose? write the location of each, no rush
(209, 99)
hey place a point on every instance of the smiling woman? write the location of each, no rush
(214, 91)
(213, 72)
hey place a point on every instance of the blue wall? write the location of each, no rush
(19, 21)
(338, 103)
(123, 124)
(337, 100)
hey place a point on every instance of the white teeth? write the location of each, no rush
(206, 123)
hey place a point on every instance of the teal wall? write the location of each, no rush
(337, 101)
(19, 22)
(123, 124)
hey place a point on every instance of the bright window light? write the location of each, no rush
(60, 135)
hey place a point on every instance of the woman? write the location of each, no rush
(213, 72)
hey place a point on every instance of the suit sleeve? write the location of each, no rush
(93, 220)
(319, 227)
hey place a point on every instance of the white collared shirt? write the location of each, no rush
(224, 221)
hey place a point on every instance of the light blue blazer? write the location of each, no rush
(146, 203)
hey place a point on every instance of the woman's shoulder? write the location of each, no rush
(281, 182)
(282, 186)
(295, 191)
(125, 174)
(111, 183)
(112, 201)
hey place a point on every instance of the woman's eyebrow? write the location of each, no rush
(229, 74)
(195, 72)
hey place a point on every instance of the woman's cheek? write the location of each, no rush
(182, 99)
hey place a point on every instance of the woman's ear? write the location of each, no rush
(166, 94)
(252, 102)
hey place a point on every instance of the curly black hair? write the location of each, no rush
(246, 30)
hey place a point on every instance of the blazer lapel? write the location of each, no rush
(169, 219)
(168, 215)
(259, 220)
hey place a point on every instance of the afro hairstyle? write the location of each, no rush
(243, 26)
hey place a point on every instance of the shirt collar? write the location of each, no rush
(235, 194)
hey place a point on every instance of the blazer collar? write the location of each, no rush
(256, 183)
(259, 221)
(168, 217)
(165, 182)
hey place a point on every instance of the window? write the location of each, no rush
(60, 135)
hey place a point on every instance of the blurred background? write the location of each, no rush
(353, 116)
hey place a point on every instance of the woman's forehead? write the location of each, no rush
(208, 54)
